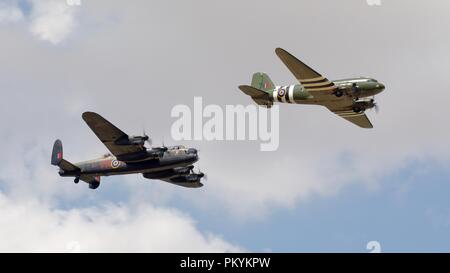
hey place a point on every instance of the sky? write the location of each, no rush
(330, 186)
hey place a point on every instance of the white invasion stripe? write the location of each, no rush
(351, 115)
(274, 94)
(291, 94)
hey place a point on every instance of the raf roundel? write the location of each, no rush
(281, 92)
(115, 164)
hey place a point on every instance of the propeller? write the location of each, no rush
(375, 105)
(163, 148)
(202, 175)
(146, 138)
(377, 108)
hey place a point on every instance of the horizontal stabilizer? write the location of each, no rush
(254, 92)
(67, 166)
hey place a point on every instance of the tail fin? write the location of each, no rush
(58, 160)
(57, 153)
(262, 81)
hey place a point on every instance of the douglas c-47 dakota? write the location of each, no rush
(347, 98)
(129, 156)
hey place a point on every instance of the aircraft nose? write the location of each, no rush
(192, 151)
(380, 86)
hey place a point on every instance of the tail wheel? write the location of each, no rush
(76, 180)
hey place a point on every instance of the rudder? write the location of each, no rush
(262, 81)
(57, 153)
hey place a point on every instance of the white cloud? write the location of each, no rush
(31, 193)
(52, 20)
(31, 226)
(48, 20)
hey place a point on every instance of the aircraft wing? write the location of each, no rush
(174, 180)
(308, 77)
(89, 178)
(180, 176)
(359, 119)
(110, 135)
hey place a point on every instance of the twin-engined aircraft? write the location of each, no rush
(348, 98)
(128, 156)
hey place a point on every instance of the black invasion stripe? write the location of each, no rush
(288, 88)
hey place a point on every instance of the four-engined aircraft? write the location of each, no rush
(128, 156)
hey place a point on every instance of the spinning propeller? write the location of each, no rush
(146, 138)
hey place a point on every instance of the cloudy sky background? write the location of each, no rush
(330, 186)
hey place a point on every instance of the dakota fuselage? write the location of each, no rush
(353, 89)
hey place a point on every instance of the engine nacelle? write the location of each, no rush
(182, 171)
(95, 184)
(190, 178)
(362, 105)
(132, 140)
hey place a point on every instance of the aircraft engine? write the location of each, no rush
(138, 140)
(362, 105)
(190, 178)
(95, 184)
(184, 171)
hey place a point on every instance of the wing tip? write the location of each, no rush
(87, 115)
(241, 87)
(280, 50)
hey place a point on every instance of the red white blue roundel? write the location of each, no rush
(115, 164)
(281, 92)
